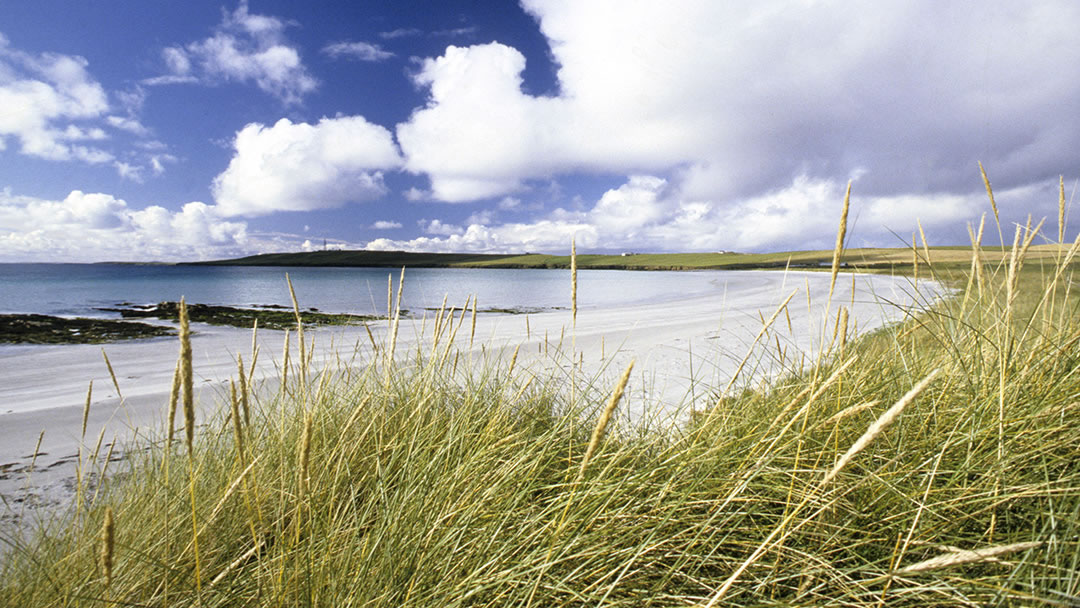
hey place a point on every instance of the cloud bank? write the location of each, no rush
(88, 227)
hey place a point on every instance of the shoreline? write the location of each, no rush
(683, 350)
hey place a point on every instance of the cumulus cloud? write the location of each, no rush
(245, 47)
(361, 51)
(300, 167)
(86, 227)
(732, 104)
(43, 96)
(386, 225)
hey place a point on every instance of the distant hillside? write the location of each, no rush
(869, 259)
(358, 258)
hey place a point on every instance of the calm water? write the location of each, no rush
(77, 289)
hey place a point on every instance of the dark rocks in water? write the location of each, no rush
(269, 318)
(47, 329)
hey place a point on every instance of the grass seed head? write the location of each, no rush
(605, 417)
(573, 280)
(174, 396)
(86, 408)
(841, 234)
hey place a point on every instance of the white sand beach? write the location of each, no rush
(685, 350)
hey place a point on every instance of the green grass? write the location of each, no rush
(889, 260)
(431, 482)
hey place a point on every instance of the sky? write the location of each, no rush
(174, 131)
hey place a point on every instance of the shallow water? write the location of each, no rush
(78, 289)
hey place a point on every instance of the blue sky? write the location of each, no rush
(180, 131)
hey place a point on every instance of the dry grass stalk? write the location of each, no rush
(513, 360)
(841, 233)
(371, 338)
(238, 428)
(879, 426)
(254, 340)
(400, 288)
(605, 418)
(236, 563)
(305, 455)
(242, 390)
(843, 328)
(914, 258)
(1061, 209)
(926, 248)
(97, 445)
(965, 556)
(389, 299)
(285, 363)
(37, 450)
(393, 339)
(472, 332)
(108, 545)
(439, 319)
(174, 397)
(187, 380)
(976, 274)
(993, 204)
(112, 375)
(573, 281)
(187, 377)
(850, 411)
(86, 408)
(299, 333)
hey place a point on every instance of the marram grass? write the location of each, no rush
(419, 482)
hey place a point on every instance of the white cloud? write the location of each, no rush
(415, 194)
(403, 32)
(770, 104)
(483, 218)
(300, 167)
(362, 51)
(157, 162)
(438, 227)
(85, 227)
(386, 225)
(509, 202)
(129, 171)
(246, 48)
(176, 60)
(129, 124)
(41, 95)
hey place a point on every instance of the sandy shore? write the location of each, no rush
(683, 349)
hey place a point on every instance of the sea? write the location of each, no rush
(83, 289)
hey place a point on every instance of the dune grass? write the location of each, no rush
(934, 462)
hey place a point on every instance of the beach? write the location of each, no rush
(685, 351)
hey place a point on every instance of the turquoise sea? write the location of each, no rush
(79, 289)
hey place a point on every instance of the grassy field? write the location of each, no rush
(892, 260)
(934, 462)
